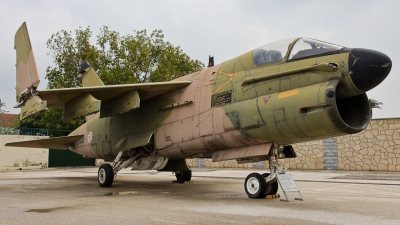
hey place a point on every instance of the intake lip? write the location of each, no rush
(369, 68)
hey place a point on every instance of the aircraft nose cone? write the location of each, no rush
(369, 68)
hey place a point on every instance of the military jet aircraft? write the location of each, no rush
(249, 108)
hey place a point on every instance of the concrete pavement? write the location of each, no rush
(72, 196)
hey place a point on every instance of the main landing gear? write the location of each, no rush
(105, 175)
(183, 176)
(107, 172)
(260, 185)
(142, 158)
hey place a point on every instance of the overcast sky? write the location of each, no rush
(224, 29)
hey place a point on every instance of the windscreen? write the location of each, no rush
(305, 47)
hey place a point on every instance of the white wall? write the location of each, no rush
(13, 158)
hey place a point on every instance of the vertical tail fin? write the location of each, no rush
(27, 73)
(27, 76)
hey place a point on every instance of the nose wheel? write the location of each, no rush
(256, 186)
(259, 186)
(271, 188)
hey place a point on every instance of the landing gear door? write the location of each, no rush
(105, 137)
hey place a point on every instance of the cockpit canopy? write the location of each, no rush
(304, 47)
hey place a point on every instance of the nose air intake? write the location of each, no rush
(369, 68)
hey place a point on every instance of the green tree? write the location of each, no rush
(50, 119)
(128, 59)
(374, 104)
(118, 59)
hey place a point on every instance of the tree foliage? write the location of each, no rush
(118, 59)
(374, 104)
(50, 119)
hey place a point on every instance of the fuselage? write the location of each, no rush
(289, 91)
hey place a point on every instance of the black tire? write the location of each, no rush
(182, 176)
(105, 176)
(271, 188)
(254, 185)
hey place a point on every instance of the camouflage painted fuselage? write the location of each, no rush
(238, 104)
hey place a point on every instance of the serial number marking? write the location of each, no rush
(220, 99)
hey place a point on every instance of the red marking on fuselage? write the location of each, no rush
(266, 99)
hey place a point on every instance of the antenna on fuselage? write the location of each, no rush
(210, 61)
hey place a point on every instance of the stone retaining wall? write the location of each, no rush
(377, 148)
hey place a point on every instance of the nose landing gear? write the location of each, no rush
(259, 186)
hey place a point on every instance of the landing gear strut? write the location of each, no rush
(259, 186)
(140, 158)
(271, 188)
(108, 172)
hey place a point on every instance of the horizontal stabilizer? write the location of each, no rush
(61, 143)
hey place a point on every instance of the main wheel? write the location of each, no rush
(105, 175)
(254, 185)
(271, 188)
(182, 176)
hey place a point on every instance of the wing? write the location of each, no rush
(51, 143)
(57, 98)
(109, 100)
